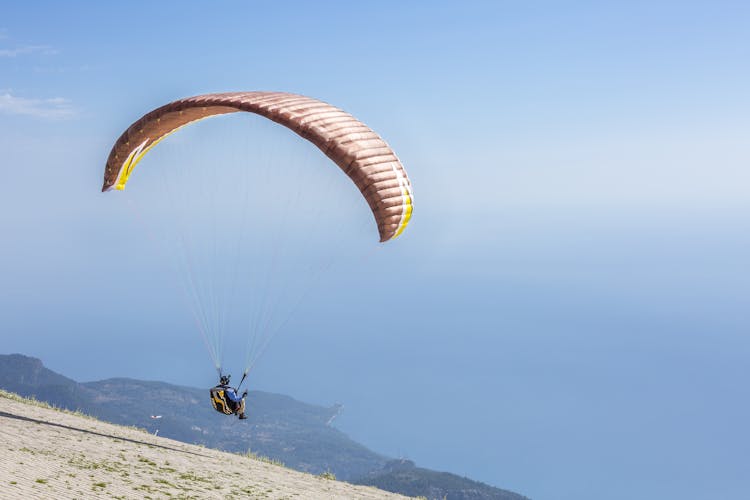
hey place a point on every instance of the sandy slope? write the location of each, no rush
(46, 453)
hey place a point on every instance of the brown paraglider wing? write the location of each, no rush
(352, 145)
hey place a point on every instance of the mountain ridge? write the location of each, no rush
(298, 434)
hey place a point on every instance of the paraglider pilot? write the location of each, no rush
(234, 404)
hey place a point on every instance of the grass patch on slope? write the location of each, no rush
(43, 404)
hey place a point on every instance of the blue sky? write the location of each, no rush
(576, 270)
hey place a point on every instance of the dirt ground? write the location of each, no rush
(46, 453)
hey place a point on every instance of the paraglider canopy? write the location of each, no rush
(368, 161)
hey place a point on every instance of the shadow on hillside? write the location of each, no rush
(87, 431)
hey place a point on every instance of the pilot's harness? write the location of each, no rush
(219, 398)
